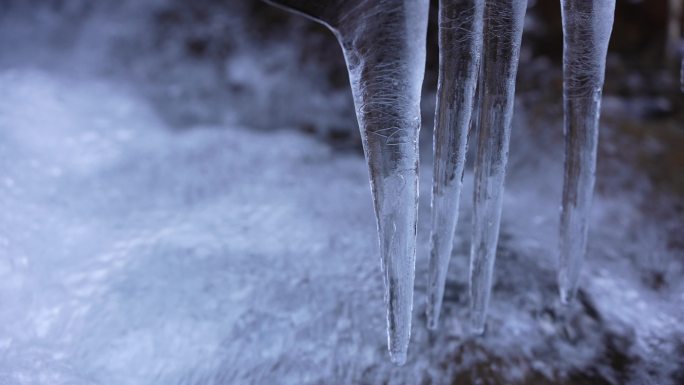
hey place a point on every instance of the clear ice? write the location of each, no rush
(503, 28)
(384, 47)
(460, 46)
(587, 27)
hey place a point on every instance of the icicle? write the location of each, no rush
(460, 45)
(587, 27)
(501, 50)
(384, 47)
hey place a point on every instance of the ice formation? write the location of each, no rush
(587, 27)
(460, 45)
(504, 21)
(384, 46)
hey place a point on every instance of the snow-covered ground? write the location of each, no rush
(132, 252)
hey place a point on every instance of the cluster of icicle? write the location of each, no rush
(479, 42)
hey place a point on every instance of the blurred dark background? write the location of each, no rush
(275, 70)
(223, 35)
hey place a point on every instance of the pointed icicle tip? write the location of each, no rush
(477, 323)
(567, 295)
(398, 358)
(432, 323)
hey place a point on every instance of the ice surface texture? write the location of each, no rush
(587, 27)
(504, 21)
(384, 47)
(460, 46)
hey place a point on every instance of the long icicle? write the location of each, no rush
(460, 46)
(501, 50)
(587, 26)
(384, 47)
